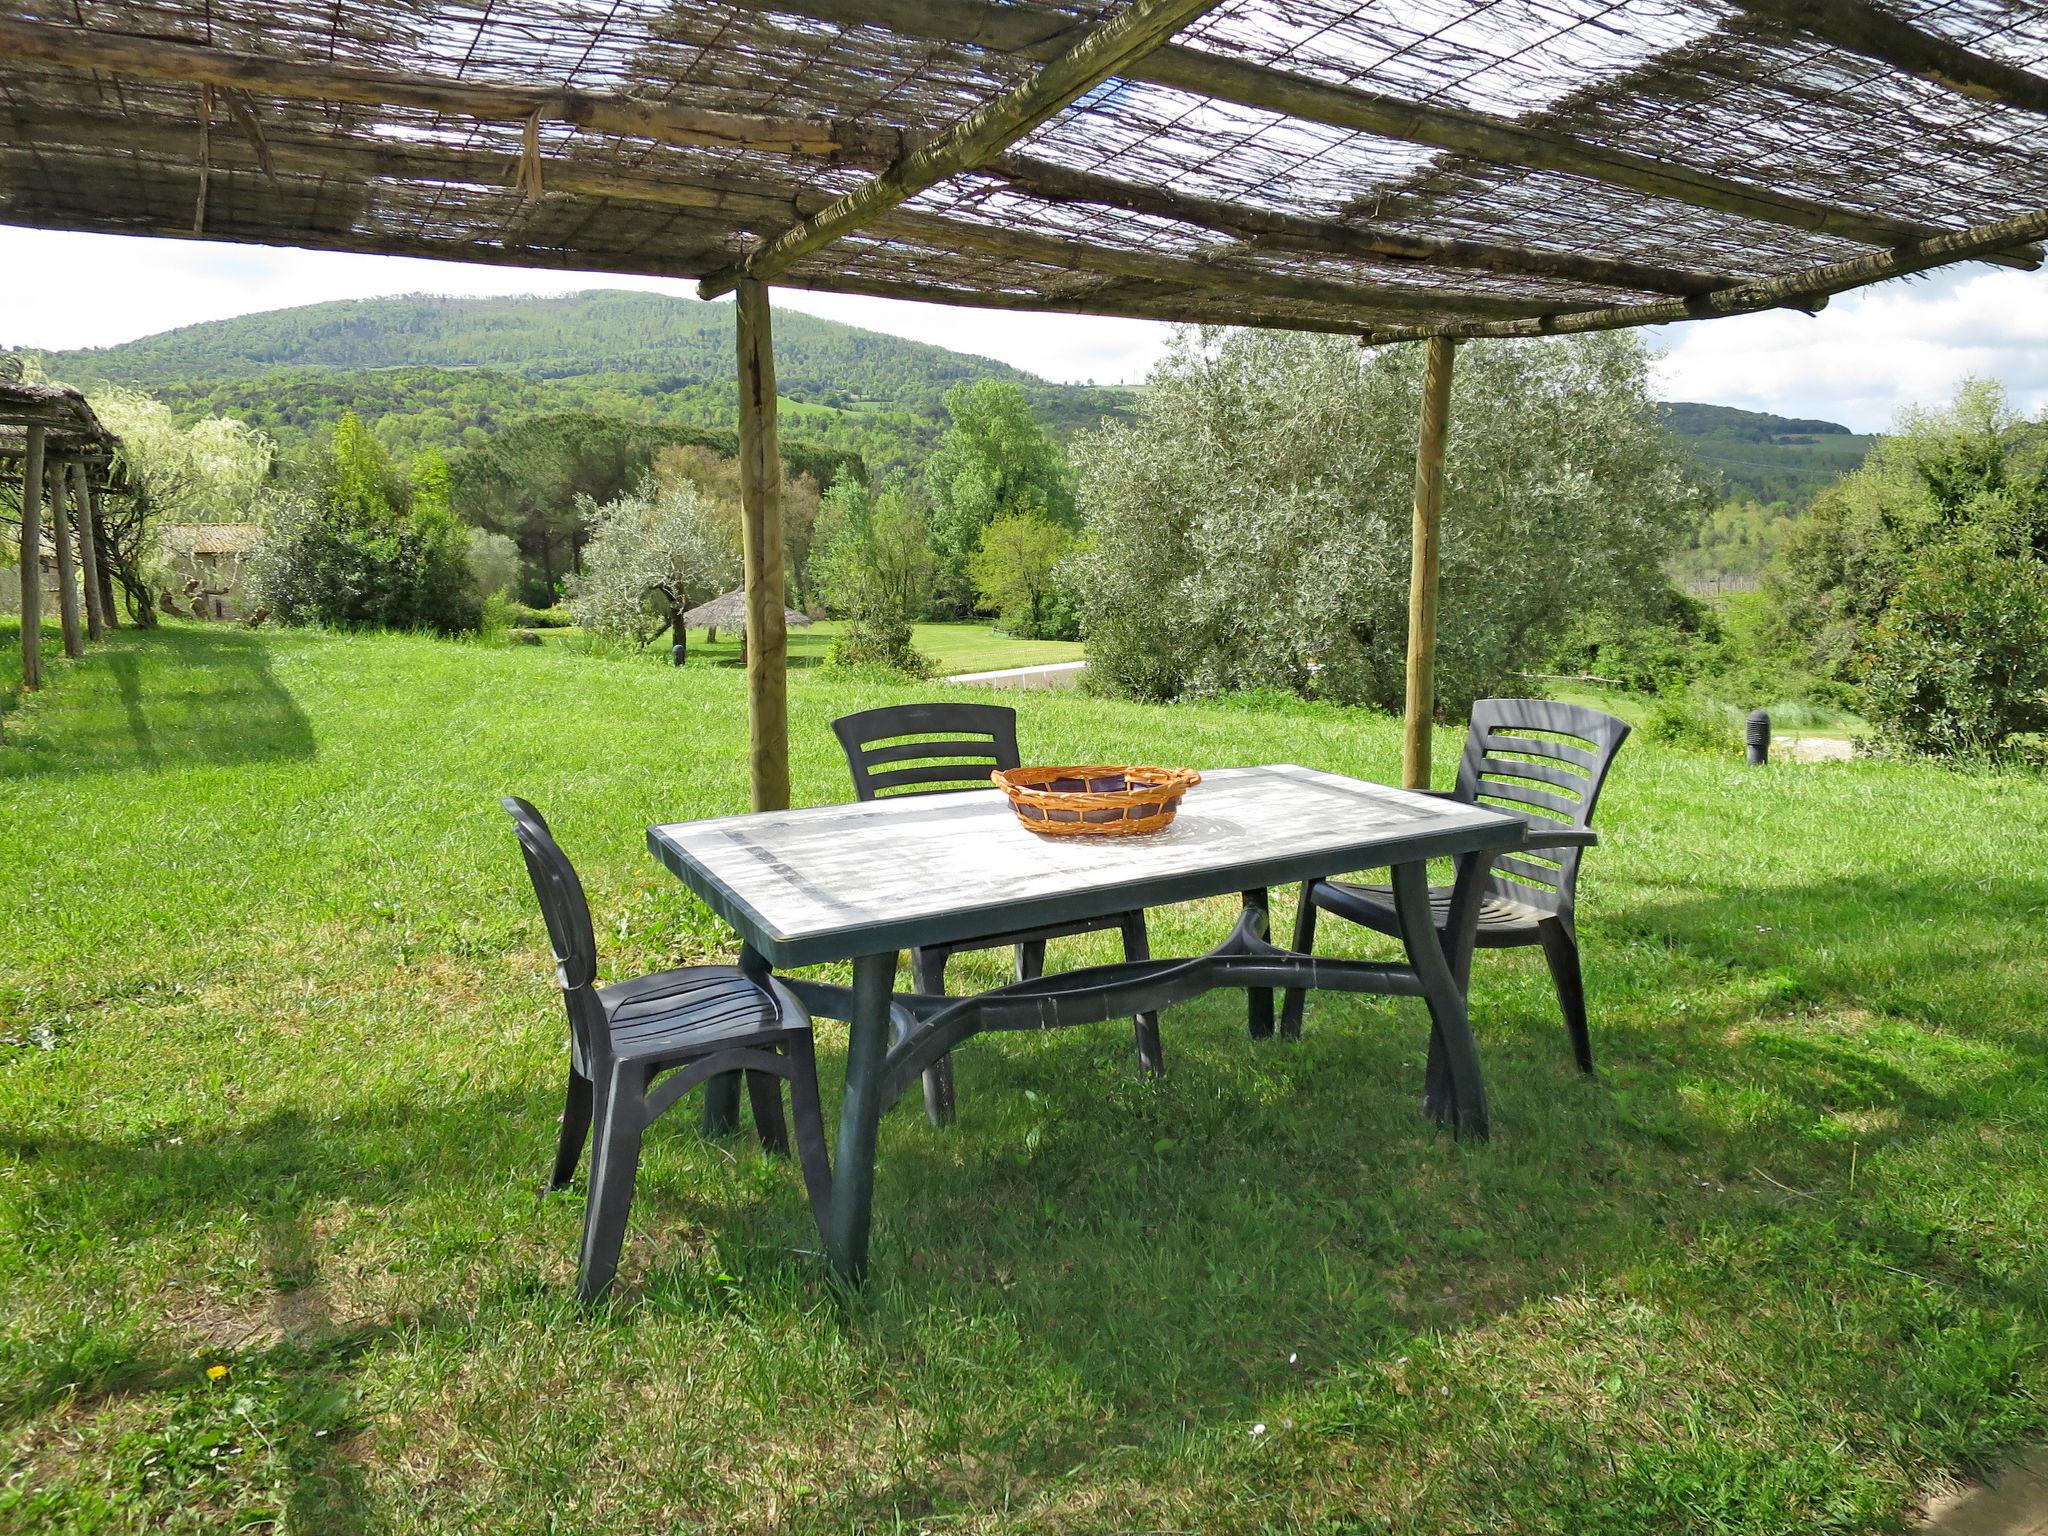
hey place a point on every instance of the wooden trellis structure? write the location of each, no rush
(1392, 169)
(59, 459)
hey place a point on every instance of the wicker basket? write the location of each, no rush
(1095, 801)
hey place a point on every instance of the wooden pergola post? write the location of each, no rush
(59, 475)
(767, 636)
(88, 549)
(1422, 562)
(32, 562)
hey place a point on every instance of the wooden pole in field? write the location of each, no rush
(1422, 562)
(761, 547)
(32, 562)
(88, 550)
(59, 476)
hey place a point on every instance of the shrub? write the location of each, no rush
(1015, 570)
(1678, 719)
(493, 562)
(1958, 664)
(1665, 641)
(542, 618)
(1972, 473)
(362, 549)
(874, 566)
(880, 647)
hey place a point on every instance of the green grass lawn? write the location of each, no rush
(280, 1064)
(951, 647)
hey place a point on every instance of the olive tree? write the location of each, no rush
(651, 553)
(1251, 528)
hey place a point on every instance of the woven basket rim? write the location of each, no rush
(1156, 783)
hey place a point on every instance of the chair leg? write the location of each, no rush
(1138, 946)
(613, 1169)
(1031, 960)
(1561, 949)
(764, 1094)
(1293, 1001)
(722, 1105)
(928, 974)
(811, 1155)
(575, 1131)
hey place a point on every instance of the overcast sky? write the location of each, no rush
(1866, 355)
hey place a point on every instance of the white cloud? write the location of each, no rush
(1861, 359)
(63, 290)
(1869, 353)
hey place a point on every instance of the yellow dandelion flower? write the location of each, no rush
(215, 1372)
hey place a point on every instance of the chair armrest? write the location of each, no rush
(1539, 837)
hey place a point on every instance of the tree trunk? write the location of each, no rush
(104, 573)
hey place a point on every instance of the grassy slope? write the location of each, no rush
(280, 1071)
(951, 647)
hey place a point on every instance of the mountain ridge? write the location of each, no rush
(444, 372)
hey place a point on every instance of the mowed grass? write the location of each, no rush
(280, 1064)
(951, 648)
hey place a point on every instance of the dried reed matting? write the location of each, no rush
(1384, 167)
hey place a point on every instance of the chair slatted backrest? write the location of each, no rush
(566, 911)
(1544, 760)
(921, 749)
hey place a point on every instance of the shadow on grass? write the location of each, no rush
(1273, 1213)
(182, 696)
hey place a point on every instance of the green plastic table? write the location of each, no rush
(864, 882)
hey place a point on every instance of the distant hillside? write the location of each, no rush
(1766, 458)
(443, 372)
(1769, 468)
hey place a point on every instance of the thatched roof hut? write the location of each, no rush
(729, 611)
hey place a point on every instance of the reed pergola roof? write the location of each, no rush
(70, 428)
(1391, 168)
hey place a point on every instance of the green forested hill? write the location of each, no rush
(1764, 458)
(1768, 468)
(445, 372)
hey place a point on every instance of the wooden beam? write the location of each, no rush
(738, 197)
(1863, 29)
(743, 198)
(58, 473)
(1032, 32)
(1131, 34)
(88, 548)
(1422, 563)
(1218, 273)
(731, 197)
(1131, 300)
(150, 58)
(1140, 300)
(32, 563)
(1809, 288)
(761, 553)
(1271, 229)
